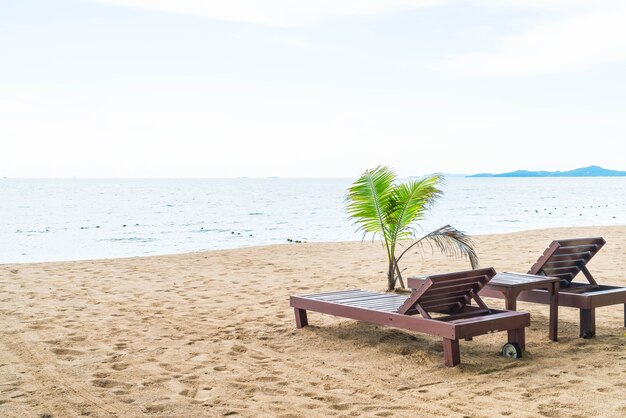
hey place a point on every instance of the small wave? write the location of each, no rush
(130, 239)
(32, 231)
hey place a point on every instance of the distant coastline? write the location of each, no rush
(591, 171)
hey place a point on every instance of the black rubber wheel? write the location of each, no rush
(511, 350)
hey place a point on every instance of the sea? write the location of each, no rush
(77, 219)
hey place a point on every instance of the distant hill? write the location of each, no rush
(591, 171)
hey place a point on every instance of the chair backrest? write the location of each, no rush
(567, 257)
(448, 293)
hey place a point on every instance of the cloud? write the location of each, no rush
(277, 12)
(571, 43)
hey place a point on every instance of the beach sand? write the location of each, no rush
(211, 334)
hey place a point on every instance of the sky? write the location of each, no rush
(309, 88)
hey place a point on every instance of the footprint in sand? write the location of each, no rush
(105, 383)
(66, 351)
(238, 349)
(119, 366)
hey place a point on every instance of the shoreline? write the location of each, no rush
(252, 247)
(212, 333)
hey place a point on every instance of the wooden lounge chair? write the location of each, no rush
(440, 307)
(565, 259)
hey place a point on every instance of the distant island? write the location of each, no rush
(591, 171)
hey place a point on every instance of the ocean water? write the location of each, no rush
(72, 219)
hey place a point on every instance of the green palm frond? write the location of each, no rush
(409, 202)
(450, 241)
(369, 198)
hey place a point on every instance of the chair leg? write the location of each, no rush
(625, 315)
(518, 336)
(301, 319)
(588, 323)
(451, 352)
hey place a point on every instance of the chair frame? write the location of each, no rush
(440, 307)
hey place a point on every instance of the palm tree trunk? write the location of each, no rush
(399, 275)
(391, 275)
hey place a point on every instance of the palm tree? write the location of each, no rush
(381, 206)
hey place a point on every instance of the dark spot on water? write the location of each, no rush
(123, 226)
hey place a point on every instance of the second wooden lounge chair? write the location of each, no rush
(440, 307)
(565, 259)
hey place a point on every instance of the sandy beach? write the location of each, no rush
(212, 334)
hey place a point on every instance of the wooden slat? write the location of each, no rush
(445, 309)
(347, 296)
(442, 299)
(308, 295)
(435, 306)
(511, 280)
(371, 299)
(562, 268)
(386, 309)
(581, 241)
(365, 298)
(461, 274)
(569, 256)
(577, 250)
(560, 262)
(343, 295)
(396, 303)
(436, 294)
(455, 282)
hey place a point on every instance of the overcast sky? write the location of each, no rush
(299, 88)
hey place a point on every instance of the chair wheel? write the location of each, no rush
(511, 350)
